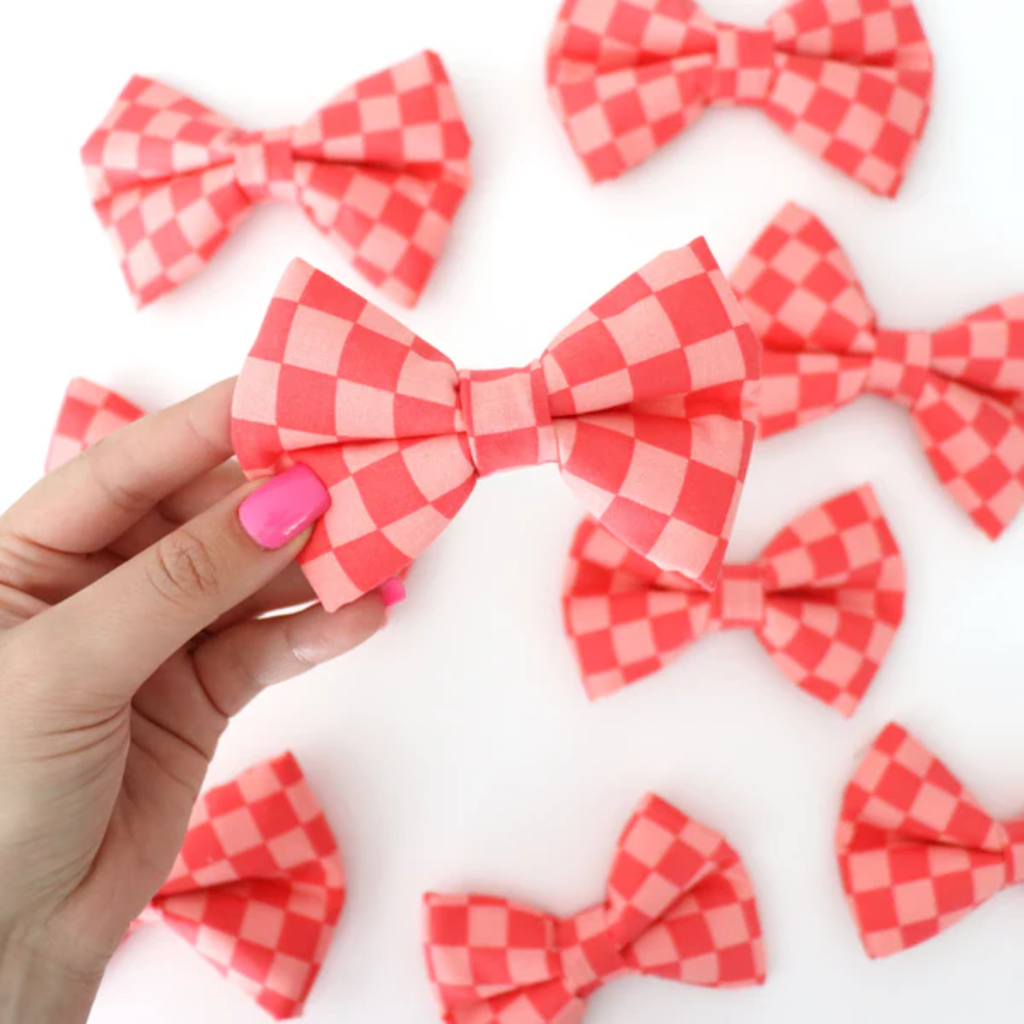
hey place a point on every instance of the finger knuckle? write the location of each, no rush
(185, 568)
(119, 490)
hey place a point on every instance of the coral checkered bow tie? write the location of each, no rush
(917, 852)
(88, 414)
(963, 385)
(381, 170)
(825, 599)
(646, 402)
(679, 905)
(258, 886)
(850, 80)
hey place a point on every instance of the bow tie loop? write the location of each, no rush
(265, 165)
(507, 418)
(258, 886)
(901, 366)
(381, 170)
(917, 851)
(738, 602)
(679, 906)
(963, 384)
(646, 401)
(824, 599)
(745, 66)
(849, 81)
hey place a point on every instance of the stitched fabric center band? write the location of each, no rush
(738, 602)
(264, 165)
(590, 956)
(745, 67)
(1015, 854)
(507, 418)
(901, 366)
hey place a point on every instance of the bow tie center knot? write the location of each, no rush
(744, 65)
(1015, 854)
(901, 365)
(590, 955)
(507, 418)
(738, 601)
(264, 165)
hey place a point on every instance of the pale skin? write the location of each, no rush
(130, 634)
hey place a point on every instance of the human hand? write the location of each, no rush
(130, 584)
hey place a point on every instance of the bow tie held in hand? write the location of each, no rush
(381, 170)
(849, 80)
(646, 402)
(963, 385)
(917, 852)
(679, 905)
(825, 599)
(258, 887)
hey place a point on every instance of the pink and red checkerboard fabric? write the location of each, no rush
(917, 852)
(963, 384)
(646, 401)
(258, 886)
(825, 599)
(849, 80)
(679, 905)
(381, 170)
(88, 414)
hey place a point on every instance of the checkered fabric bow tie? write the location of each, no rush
(258, 887)
(850, 80)
(917, 852)
(381, 170)
(646, 402)
(679, 905)
(963, 385)
(824, 598)
(88, 414)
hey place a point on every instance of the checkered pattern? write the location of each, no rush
(381, 170)
(258, 886)
(917, 853)
(647, 402)
(88, 414)
(964, 384)
(849, 80)
(679, 905)
(825, 599)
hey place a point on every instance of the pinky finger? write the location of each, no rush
(235, 665)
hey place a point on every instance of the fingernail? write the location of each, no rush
(392, 592)
(283, 507)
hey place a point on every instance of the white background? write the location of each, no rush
(456, 750)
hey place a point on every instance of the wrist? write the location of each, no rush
(38, 988)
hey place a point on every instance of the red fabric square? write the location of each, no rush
(274, 815)
(388, 490)
(372, 359)
(706, 498)
(589, 353)
(299, 937)
(341, 119)
(695, 309)
(419, 106)
(449, 926)
(329, 296)
(305, 400)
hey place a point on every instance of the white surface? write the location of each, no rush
(456, 750)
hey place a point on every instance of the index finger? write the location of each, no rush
(90, 501)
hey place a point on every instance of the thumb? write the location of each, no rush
(115, 633)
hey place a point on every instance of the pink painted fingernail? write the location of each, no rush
(283, 507)
(392, 592)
